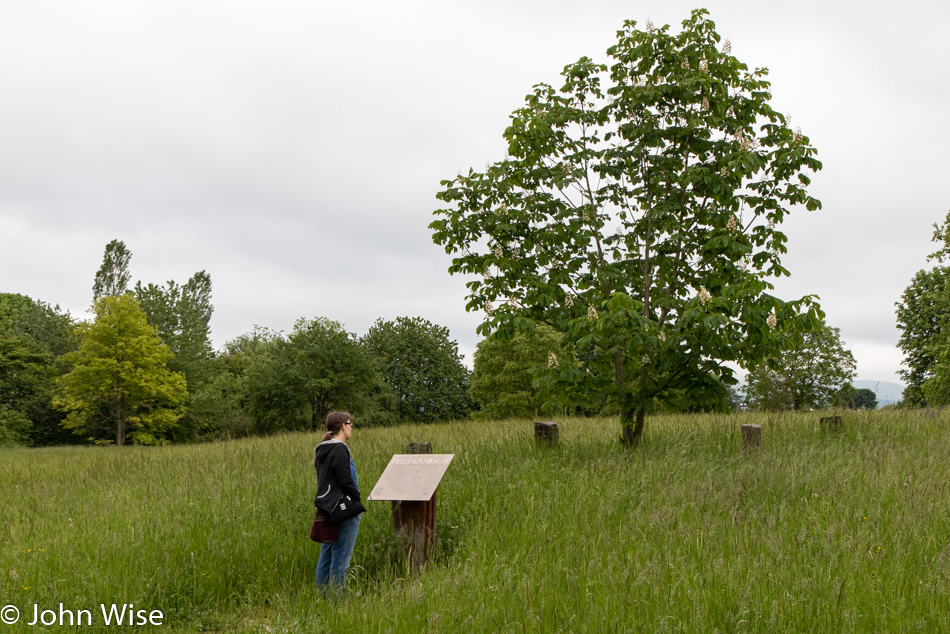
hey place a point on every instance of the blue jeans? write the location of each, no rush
(335, 557)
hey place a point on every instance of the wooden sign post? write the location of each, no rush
(410, 481)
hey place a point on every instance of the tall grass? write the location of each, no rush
(813, 531)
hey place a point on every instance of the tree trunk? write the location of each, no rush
(632, 421)
(119, 428)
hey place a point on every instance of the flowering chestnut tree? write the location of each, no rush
(638, 213)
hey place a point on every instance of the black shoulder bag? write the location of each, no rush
(336, 505)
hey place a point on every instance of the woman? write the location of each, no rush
(332, 458)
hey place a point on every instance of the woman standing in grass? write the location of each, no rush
(336, 472)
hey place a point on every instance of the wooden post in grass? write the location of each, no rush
(546, 432)
(414, 523)
(751, 437)
(830, 423)
(414, 520)
(409, 482)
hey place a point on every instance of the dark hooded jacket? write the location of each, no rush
(334, 472)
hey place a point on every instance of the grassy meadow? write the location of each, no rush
(814, 532)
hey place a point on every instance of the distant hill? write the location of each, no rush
(887, 393)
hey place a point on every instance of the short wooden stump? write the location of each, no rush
(751, 436)
(830, 423)
(546, 432)
(419, 447)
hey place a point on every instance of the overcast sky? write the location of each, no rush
(293, 149)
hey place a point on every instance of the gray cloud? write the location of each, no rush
(294, 150)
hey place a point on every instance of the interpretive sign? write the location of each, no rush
(411, 477)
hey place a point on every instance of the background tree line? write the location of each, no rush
(143, 370)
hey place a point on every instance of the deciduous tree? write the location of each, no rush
(423, 367)
(503, 375)
(46, 325)
(638, 213)
(26, 376)
(181, 315)
(119, 383)
(331, 368)
(36, 334)
(299, 380)
(808, 376)
(113, 276)
(863, 398)
(922, 315)
(221, 404)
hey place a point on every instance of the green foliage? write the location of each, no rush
(180, 316)
(34, 335)
(221, 405)
(637, 213)
(218, 406)
(808, 376)
(46, 325)
(936, 389)
(119, 384)
(734, 398)
(274, 399)
(922, 315)
(853, 398)
(422, 366)
(12, 306)
(26, 374)
(333, 371)
(502, 379)
(295, 382)
(113, 277)
(864, 398)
